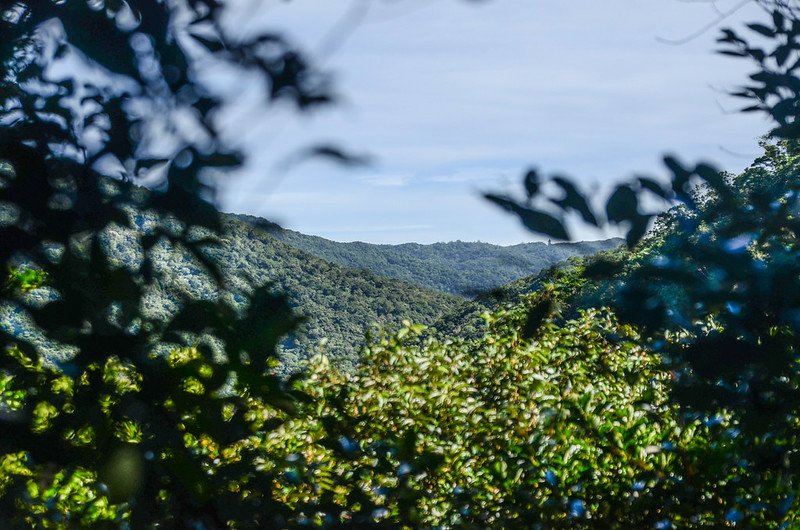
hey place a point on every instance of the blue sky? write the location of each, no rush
(453, 98)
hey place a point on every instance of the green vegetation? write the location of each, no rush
(655, 387)
(338, 303)
(550, 431)
(461, 268)
(25, 278)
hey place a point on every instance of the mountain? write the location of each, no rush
(566, 279)
(340, 290)
(338, 304)
(344, 288)
(461, 268)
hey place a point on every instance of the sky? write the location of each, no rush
(451, 99)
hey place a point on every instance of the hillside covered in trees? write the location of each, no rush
(341, 289)
(337, 303)
(463, 268)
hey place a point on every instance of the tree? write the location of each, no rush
(715, 290)
(116, 424)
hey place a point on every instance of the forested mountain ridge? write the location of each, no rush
(340, 298)
(338, 303)
(458, 267)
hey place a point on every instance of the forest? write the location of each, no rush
(362, 285)
(165, 365)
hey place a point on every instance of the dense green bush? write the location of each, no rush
(567, 431)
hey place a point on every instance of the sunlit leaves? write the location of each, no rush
(25, 278)
(504, 417)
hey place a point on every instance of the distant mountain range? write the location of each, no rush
(466, 269)
(338, 303)
(344, 288)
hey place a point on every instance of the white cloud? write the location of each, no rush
(486, 175)
(390, 181)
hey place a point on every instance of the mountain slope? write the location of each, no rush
(571, 290)
(461, 268)
(338, 303)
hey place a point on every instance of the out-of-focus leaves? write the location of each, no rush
(123, 473)
(332, 153)
(532, 183)
(762, 30)
(211, 44)
(574, 200)
(175, 448)
(533, 220)
(680, 178)
(148, 163)
(602, 268)
(716, 180)
(623, 205)
(654, 187)
(96, 34)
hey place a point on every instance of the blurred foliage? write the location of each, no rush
(25, 278)
(713, 288)
(108, 424)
